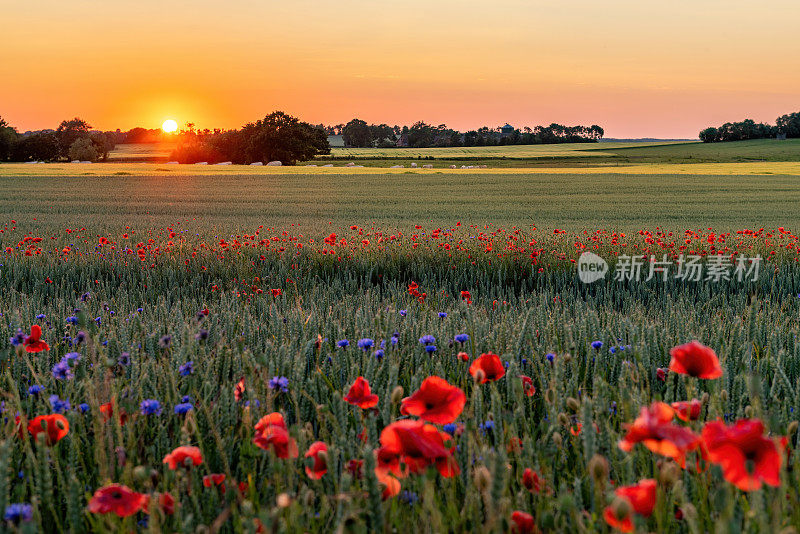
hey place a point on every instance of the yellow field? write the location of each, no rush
(791, 168)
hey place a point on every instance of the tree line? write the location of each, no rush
(72, 140)
(357, 133)
(785, 125)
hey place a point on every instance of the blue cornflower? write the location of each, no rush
(427, 340)
(183, 408)
(343, 343)
(41, 316)
(35, 389)
(80, 337)
(612, 350)
(202, 335)
(165, 341)
(461, 338)
(83, 407)
(139, 310)
(72, 356)
(18, 512)
(186, 369)
(442, 315)
(550, 357)
(72, 319)
(62, 371)
(488, 425)
(430, 348)
(395, 339)
(281, 383)
(597, 344)
(86, 296)
(59, 405)
(524, 361)
(18, 338)
(408, 497)
(378, 354)
(98, 320)
(365, 344)
(403, 313)
(150, 407)
(450, 428)
(124, 359)
(186, 398)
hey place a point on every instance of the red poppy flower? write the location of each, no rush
(695, 359)
(746, 456)
(463, 356)
(419, 445)
(435, 401)
(107, 410)
(655, 430)
(527, 385)
(214, 479)
(642, 496)
(271, 432)
(166, 503)
(319, 465)
(360, 395)
(276, 292)
(523, 523)
(531, 480)
(687, 411)
(623, 524)
(238, 390)
(54, 427)
(177, 458)
(354, 468)
(116, 499)
(490, 365)
(33, 342)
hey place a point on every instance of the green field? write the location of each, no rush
(231, 308)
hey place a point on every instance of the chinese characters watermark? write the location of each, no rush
(688, 268)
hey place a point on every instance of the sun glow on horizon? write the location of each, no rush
(169, 126)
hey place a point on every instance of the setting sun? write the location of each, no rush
(169, 126)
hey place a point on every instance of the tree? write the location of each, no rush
(357, 133)
(42, 146)
(83, 150)
(709, 135)
(8, 138)
(69, 131)
(789, 124)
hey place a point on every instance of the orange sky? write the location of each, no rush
(637, 68)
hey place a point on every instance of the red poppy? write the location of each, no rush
(642, 496)
(166, 503)
(54, 427)
(523, 523)
(655, 430)
(276, 292)
(107, 410)
(490, 365)
(33, 342)
(419, 445)
(435, 401)
(463, 356)
(531, 480)
(360, 395)
(271, 432)
(527, 385)
(695, 359)
(746, 456)
(116, 499)
(319, 465)
(214, 479)
(177, 458)
(623, 524)
(238, 390)
(687, 411)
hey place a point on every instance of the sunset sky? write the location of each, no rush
(637, 68)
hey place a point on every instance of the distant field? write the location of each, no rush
(514, 151)
(231, 201)
(129, 152)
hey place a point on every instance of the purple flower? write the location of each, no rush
(165, 341)
(59, 405)
(597, 344)
(403, 313)
(18, 338)
(427, 340)
(35, 389)
(430, 349)
(150, 407)
(124, 359)
(343, 343)
(442, 315)
(62, 371)
(461, 338)
(186, 369)
(281, 383)
(365, 344)
(183, 408)
(18, 513)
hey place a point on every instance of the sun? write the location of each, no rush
(169, 126)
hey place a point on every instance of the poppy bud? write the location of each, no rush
(121, 456)
(283, 500)
(140, 473)
(397, 394)
(598, 468)
(111, 362)
(550, 396)
(704, 399)
(573, 404)
(308, 498)
(724, 396)
(669, 473)
(247, 505)
(482, 478)
(689, 511)
(621, 507)
(792, 428)
(567, 357)
(154, 477)
(201, 529)
(557, 439)
(748, 411)
(563, 420)
(479, 376)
